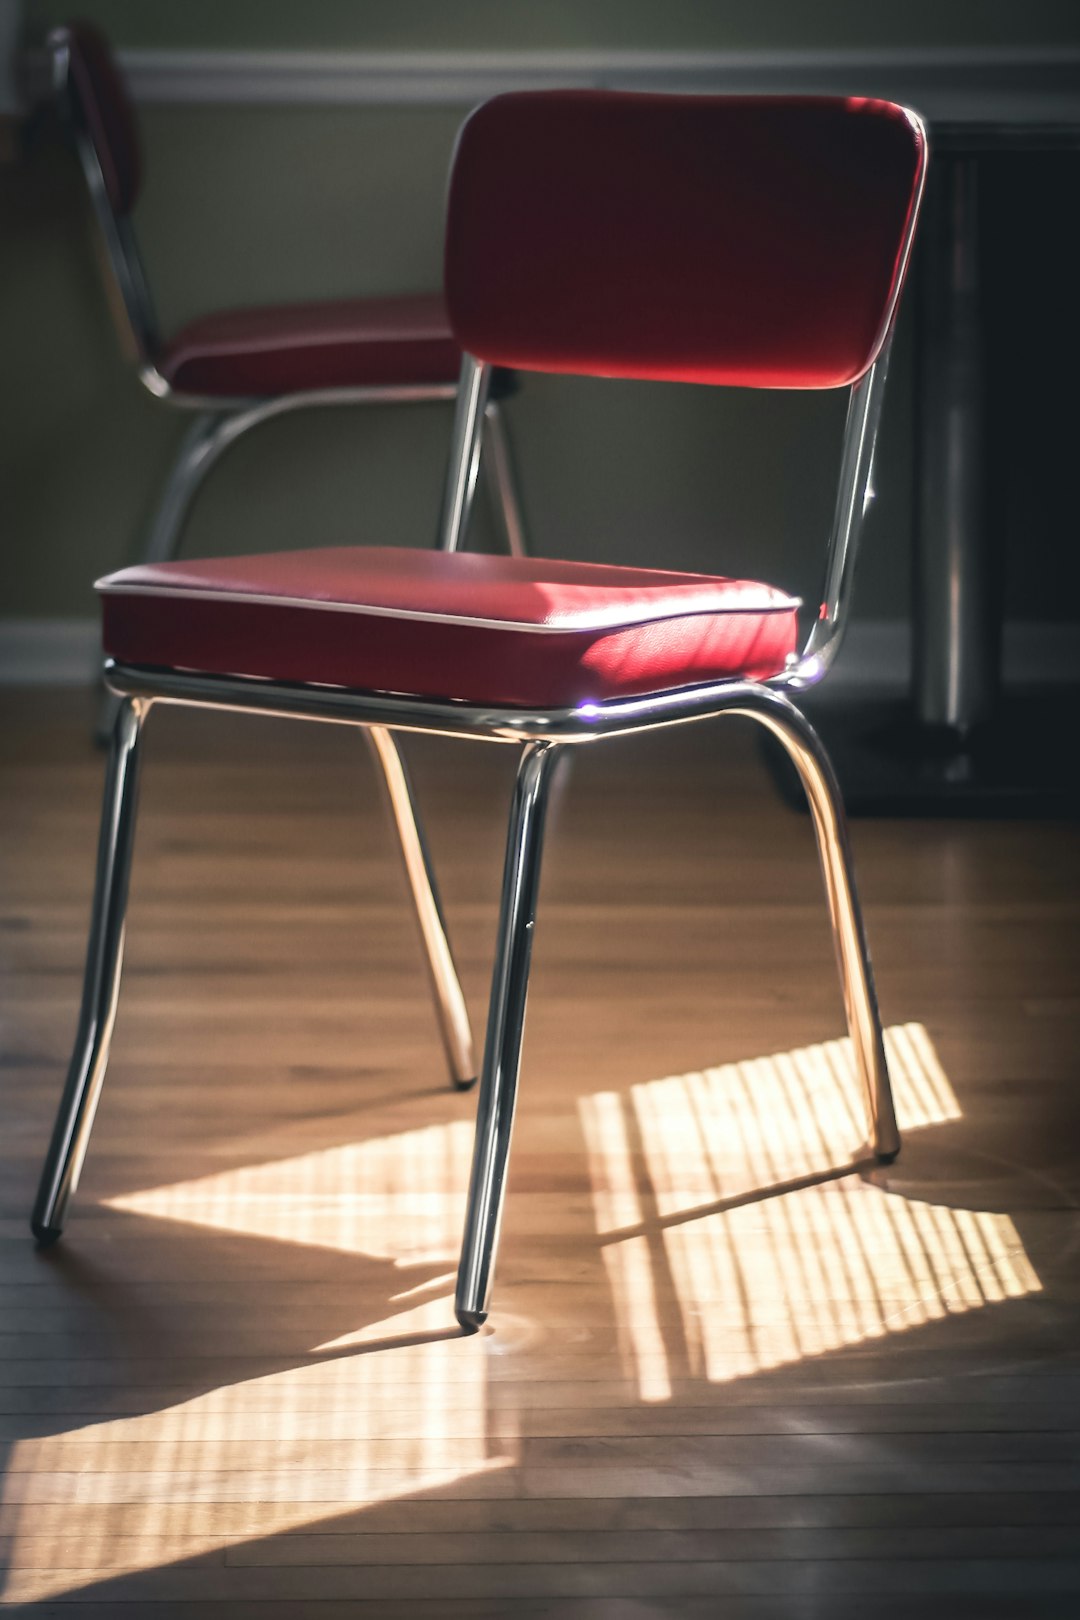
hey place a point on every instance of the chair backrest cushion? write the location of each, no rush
(753, 241)
(101, 104)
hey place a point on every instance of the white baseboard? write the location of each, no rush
(876, 654)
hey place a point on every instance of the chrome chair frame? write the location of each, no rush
(542, 737)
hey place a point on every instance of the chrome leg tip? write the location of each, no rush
(470, 1321)
(45, 1236)
(465, 1085)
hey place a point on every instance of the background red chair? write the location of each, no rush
(754, 242)
(237, 368)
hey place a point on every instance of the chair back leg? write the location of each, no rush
(808, 755)
(207, 436)
(101, 986)
(506, 1022)
(450, 1008)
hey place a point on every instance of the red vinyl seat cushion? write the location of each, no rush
(508, 631)
(291, 348)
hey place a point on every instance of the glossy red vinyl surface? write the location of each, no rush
(519, 632)
(753, 241)
(291, 348)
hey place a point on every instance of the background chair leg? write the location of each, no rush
(450, 1008)
(498, 464)
(206, 437)
(101, 986)
(506, 1022)
(202, 444)
(808, 755)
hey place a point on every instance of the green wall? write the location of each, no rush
(548, 24)
(260, 204)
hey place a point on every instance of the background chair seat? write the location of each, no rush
(513, 631)
(294, 348)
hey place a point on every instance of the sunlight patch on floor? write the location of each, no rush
(742, 1127)
(130, 1494)
(796, 1273)
(828, 1267)
(314, 1440)
(396, 1197)
(712, 1276)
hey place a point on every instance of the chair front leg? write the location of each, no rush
(808, 755)
(101, 986)
(450, 1008)
(506, 1022)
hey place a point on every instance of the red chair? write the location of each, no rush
(754, 242)
(239, 367)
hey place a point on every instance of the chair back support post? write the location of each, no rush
(855, 489)
(129, 294)
(854, 495)
(464, 461)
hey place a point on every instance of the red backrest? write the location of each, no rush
(754, 241)
(102, 105)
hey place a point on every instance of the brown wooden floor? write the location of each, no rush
(226, 1392)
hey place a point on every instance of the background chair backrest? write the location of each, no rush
(101, 104)
(752, 241)
(96, 104)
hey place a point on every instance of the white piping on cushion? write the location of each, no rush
(783, 604)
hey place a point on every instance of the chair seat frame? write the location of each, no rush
(541, 736)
